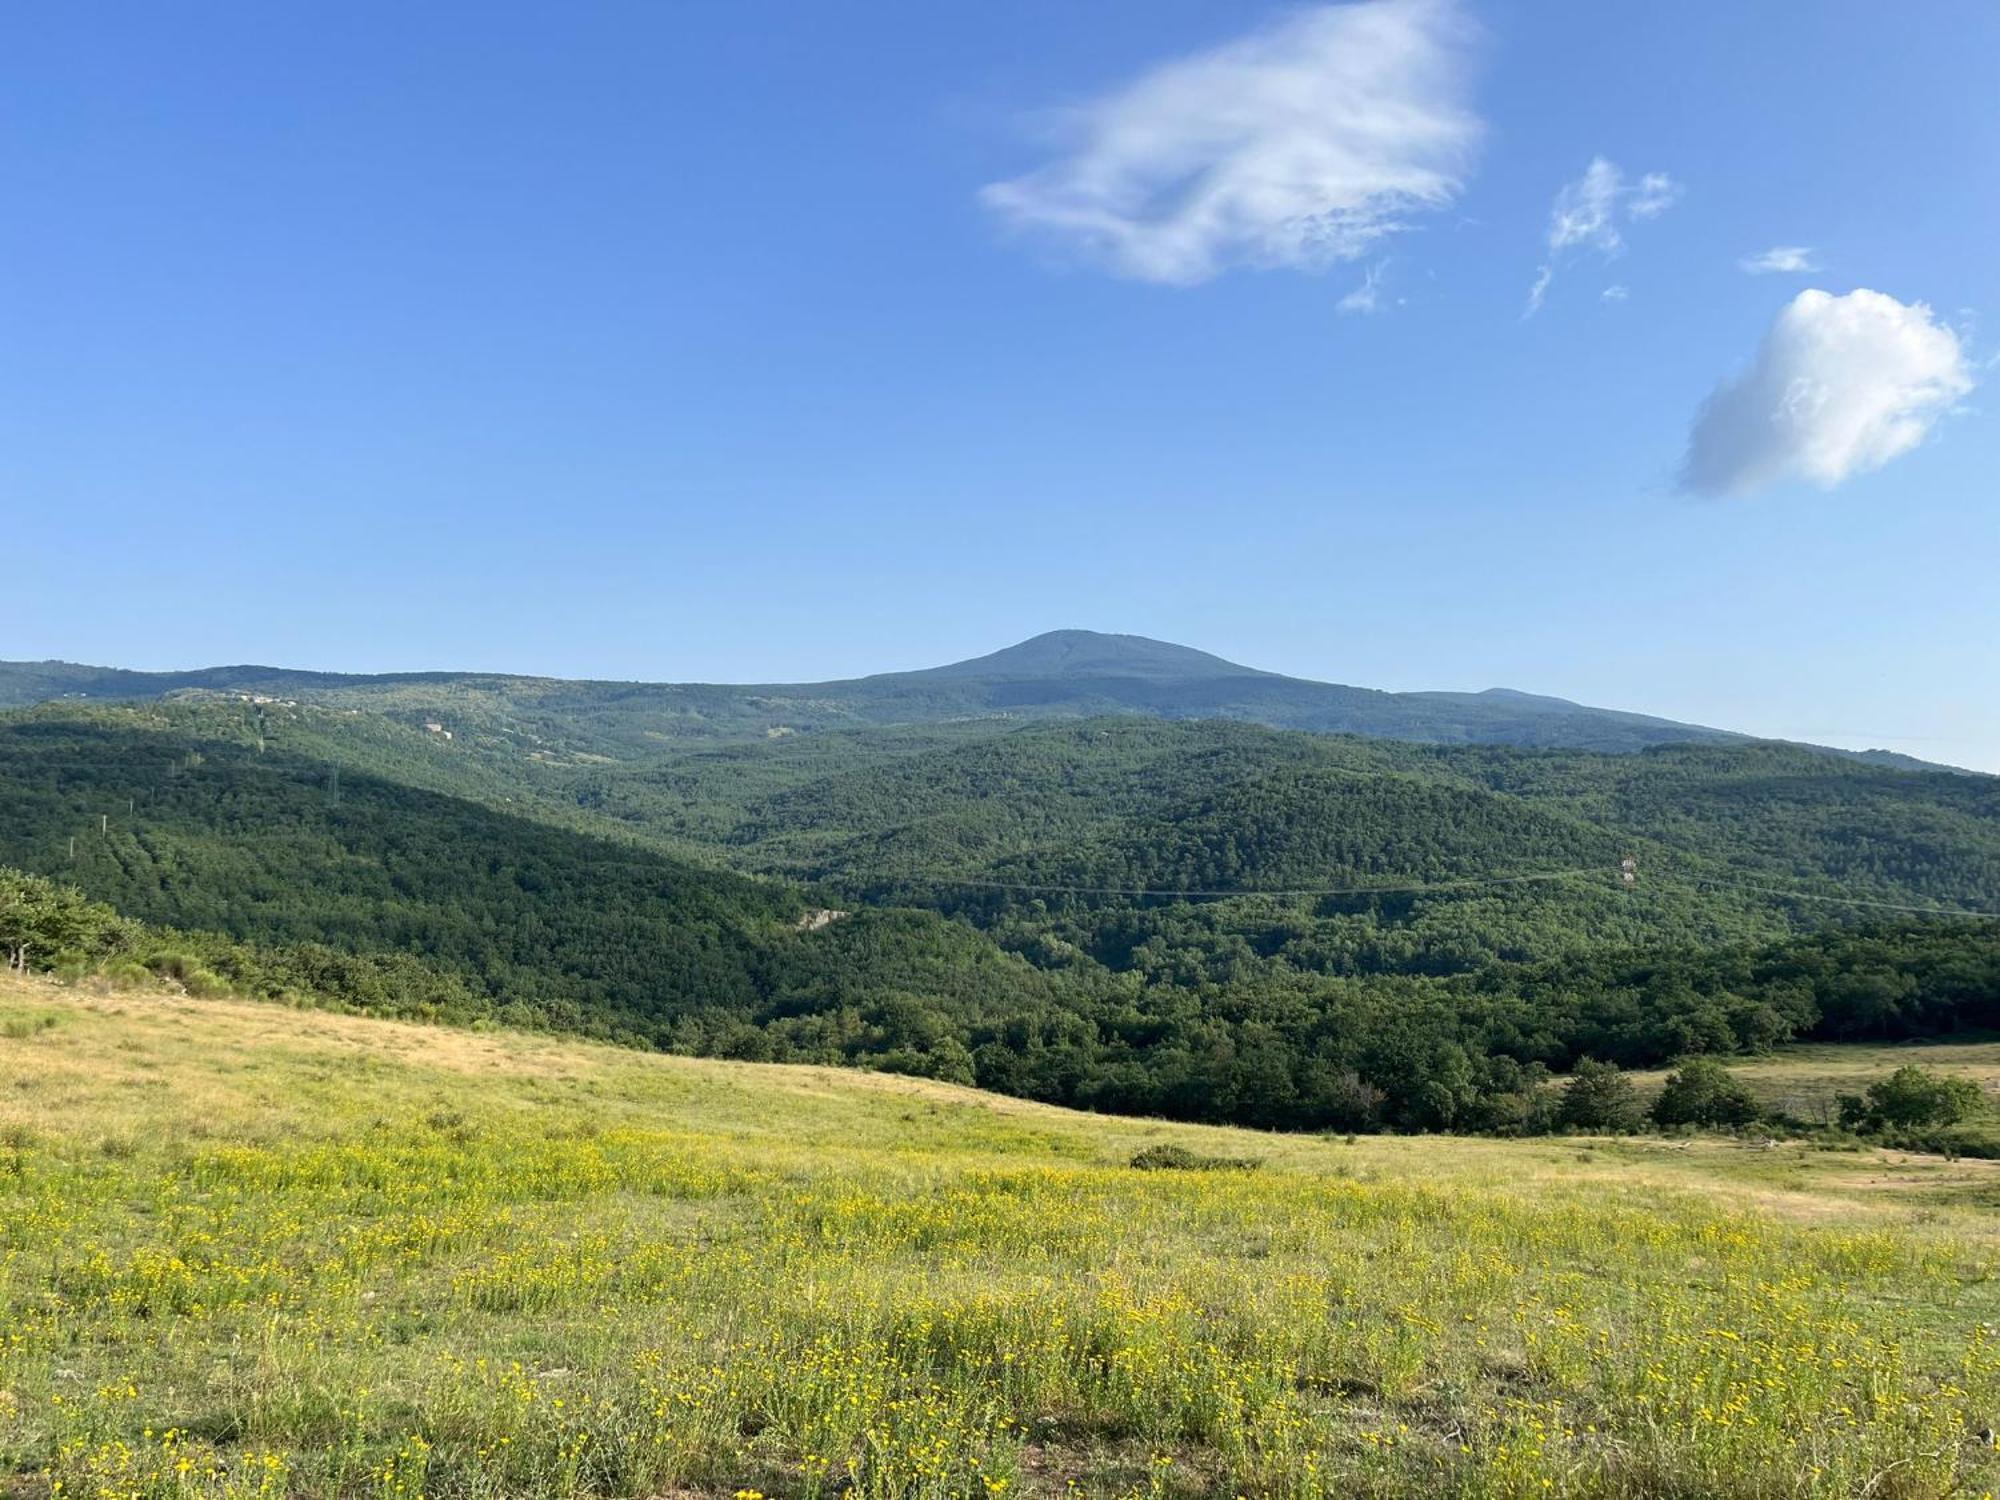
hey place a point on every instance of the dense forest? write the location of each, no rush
(1206, 920)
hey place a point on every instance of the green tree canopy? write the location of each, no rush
(1703, 1092)
(1913, 1096)
(1599, 1097)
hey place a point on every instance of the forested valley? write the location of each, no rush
(1205, 920)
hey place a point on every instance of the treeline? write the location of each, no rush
(1475, 1052)
(49, 927)
(1874, 983)
(904, 992)
(1912, 1107)
(1479, 1053)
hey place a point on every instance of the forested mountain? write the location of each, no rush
(1205, 918)
(1063, 674)
(1202, 806)
(173, 824)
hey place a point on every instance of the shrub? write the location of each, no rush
(169, 964)
(1703, 1092)
(1170, 1158)
(1911, 1096)
(1598, 1097)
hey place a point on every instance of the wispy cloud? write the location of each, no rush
(1539, 289)
(1655, 194)
(1298, 146)
(1588, 212)
(1367, 297)
(1793, 259)
(1839, 386)
(1616, 293)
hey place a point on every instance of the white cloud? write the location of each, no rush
(1616, 293)
(1794, 259)
(1298, 146)
(1586, 211)
(1367, 297)
(1539, 290)
(1587, 214)
(1655, 194)
(1839, 386)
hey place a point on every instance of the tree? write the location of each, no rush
(42, 922)
(1912, 1096)
(1598, 1097)
(1703, 1092)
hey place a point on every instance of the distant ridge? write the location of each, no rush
(1058, 674)
(1087, 653)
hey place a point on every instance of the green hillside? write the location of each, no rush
(176, 825)
(1409, 935)
(246, 1252)
(1480, 853)
(1519, 850)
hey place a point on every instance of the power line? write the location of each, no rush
(1470, 883)
(1357, 890)
(1928, 911)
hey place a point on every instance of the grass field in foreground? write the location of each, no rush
(246, 1250)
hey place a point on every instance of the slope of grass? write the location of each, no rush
(250, 1251)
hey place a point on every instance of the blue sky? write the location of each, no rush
(758, 341)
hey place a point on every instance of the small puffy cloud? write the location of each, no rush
(1791, 259)
(1297, 146)
(1616, 293)
(1839, 386)
(1588, 212)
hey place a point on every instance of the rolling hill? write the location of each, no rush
(178, 825)
(1208, 920)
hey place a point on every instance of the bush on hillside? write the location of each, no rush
(1599, 1097)
(1911, 1097)
(1703, 1093)
(1171, 1158)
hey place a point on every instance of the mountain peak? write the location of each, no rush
(1091, 653)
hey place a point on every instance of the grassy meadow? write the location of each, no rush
(246, 1250)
